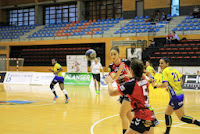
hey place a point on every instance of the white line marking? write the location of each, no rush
(92, 127)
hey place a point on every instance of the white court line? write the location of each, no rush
(92, 127)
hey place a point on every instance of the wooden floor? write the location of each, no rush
(86, 113)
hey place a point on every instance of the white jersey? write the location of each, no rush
(96, 68)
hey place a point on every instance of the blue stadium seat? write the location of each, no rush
(136, 17)
(175, 29)
(103, 20)
(157, 30)
(96, 32)
(117, 32)
(137, 21)
(155, 26)
(107, 19)
(197, 24)
(161, 26)
(180, 29)
(106, 29)
(133, 27)
(138, 24)
(143, 27)
(138, 27)
(112, 19)
(142, 20)
(128, 31)
(192, 24)
(146, 17)
(169, 15)
(186, 28)
(82, 33)
(101, 32)
(107, 22)
(150, 27)
(127, 25)
(184, 21)
(78, 34)
(193, 28)
(133, 31)
(189, 21)
(139, 30)
(102, 23)
(174, 15)
(141, 17)
(145, 30)
(116, 21)
(112, 22)
(132, 24)
(143, 24)
(179, 25)
(85, 21)
(188, 17)
(123, 31)
(98, 20)
(81, 21)
(185, 25)
(126, 28)
(73, 34)
(198, 28)
(116, 18)
(122, 28)
(165, 22)
(101, 29)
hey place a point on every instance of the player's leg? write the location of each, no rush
(129, 116)
(61, 84)
(95, 81)
(124, 109)
(98, 81)
(131, 131)
(168, 118)
(151, 131)
(53, 89)
(187, 119)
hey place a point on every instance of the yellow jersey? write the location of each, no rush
(151, 70)
(173, 77)
(57, 67)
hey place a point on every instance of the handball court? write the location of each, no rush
(26, 109)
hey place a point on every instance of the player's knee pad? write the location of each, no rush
(187, 119)
(51, 86)
(168, 120)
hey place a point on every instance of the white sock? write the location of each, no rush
(64, 91)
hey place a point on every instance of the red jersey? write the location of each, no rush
(113, 68)
(138, 93)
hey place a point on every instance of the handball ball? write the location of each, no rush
(90, 54)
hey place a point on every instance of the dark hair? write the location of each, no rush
(115, 48)
(165, 59)
(138, 68)
(174, 32)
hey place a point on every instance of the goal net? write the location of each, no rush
(11, 64)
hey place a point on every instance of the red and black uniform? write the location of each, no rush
(113, 68)
(138, 93)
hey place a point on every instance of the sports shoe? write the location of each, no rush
(54, 99)
(156, 122)
(99, 92)
(67, 100)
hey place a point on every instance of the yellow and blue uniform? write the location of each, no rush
(151, 70)
(58, 76)
(173, 77)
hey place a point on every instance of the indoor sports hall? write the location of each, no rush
(37, 36)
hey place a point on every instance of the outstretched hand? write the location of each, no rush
(108, 79)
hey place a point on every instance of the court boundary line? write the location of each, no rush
(178, 125)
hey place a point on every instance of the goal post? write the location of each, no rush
(11, 64)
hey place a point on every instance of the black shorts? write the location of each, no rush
(140, 125)
(122, 98)
(96, 77)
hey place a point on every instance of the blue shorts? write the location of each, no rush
(176, 101)
(58, 79)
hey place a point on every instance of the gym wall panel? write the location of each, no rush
(152, 4)
(128, 5)
(189, 2)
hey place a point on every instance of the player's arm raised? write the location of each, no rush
(115, 76)
(111, 90)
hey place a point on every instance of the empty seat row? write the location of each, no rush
(186, 28)
(186, 25)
